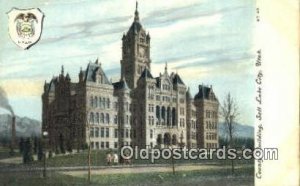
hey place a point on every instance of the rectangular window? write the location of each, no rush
(107, 132)
(181, 111)
(92, 132)
(127, 133)
(92, 145)
(97, 133)
(116, 133)
(116, 145)
(157, 98)
(127, 119)
(102, 145)
(107, 145)
(102, 132)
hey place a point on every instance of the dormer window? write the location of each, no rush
(99, 78)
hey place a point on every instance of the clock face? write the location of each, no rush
(142, 51)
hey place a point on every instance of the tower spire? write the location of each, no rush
(62, 70)
(166, 67)
(136, 14)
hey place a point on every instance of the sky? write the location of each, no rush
(207, 42)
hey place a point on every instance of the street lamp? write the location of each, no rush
(45, 135)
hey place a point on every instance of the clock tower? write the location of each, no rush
(135, 52)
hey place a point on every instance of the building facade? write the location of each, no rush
(139, 110)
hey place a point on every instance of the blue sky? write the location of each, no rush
(205, 41)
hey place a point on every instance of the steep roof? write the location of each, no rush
(92, 70)
(204, 92)
(136, 26)
(121, 85)
(177, 80)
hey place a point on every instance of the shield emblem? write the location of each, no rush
(25, 26)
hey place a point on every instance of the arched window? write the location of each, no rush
(167, 139)
(102, 118)
(157, 112)
(96, 101)
(97, 118)
(91, 117)
(100, 102)
(168, 116)
(174, 139)
(107, 118)
(159, 139)
(163, 114)
(173, 117)
(103, 103)
(108, 103)
(91, 101)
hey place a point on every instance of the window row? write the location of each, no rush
(211, 125)
(211, 145)
(211, 136)
(193, 135)
(99, 102)
(99, 132)
(103, 145)
(150, 108)
(211, 114)
(167, 115)
(99, 118)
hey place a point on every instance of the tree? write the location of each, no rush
(229, 112)
(27, 152)
(61, 144)
(40, 152)
(35, 144)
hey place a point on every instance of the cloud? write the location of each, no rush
(219, 60)
(165, 17)
(23, 87)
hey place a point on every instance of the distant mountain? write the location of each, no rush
(25, 126)
(241, 131)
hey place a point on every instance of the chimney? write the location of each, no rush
(13, 132)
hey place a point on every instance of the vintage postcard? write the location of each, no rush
(149, 92)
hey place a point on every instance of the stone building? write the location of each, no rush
(139, 110)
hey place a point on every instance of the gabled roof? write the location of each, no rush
(177, 80)
(91, 72)
(121, 85)
(204, 92)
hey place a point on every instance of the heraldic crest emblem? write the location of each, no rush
(25, 26)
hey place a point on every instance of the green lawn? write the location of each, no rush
(5, 153)
(98, 158)
(243, 176)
